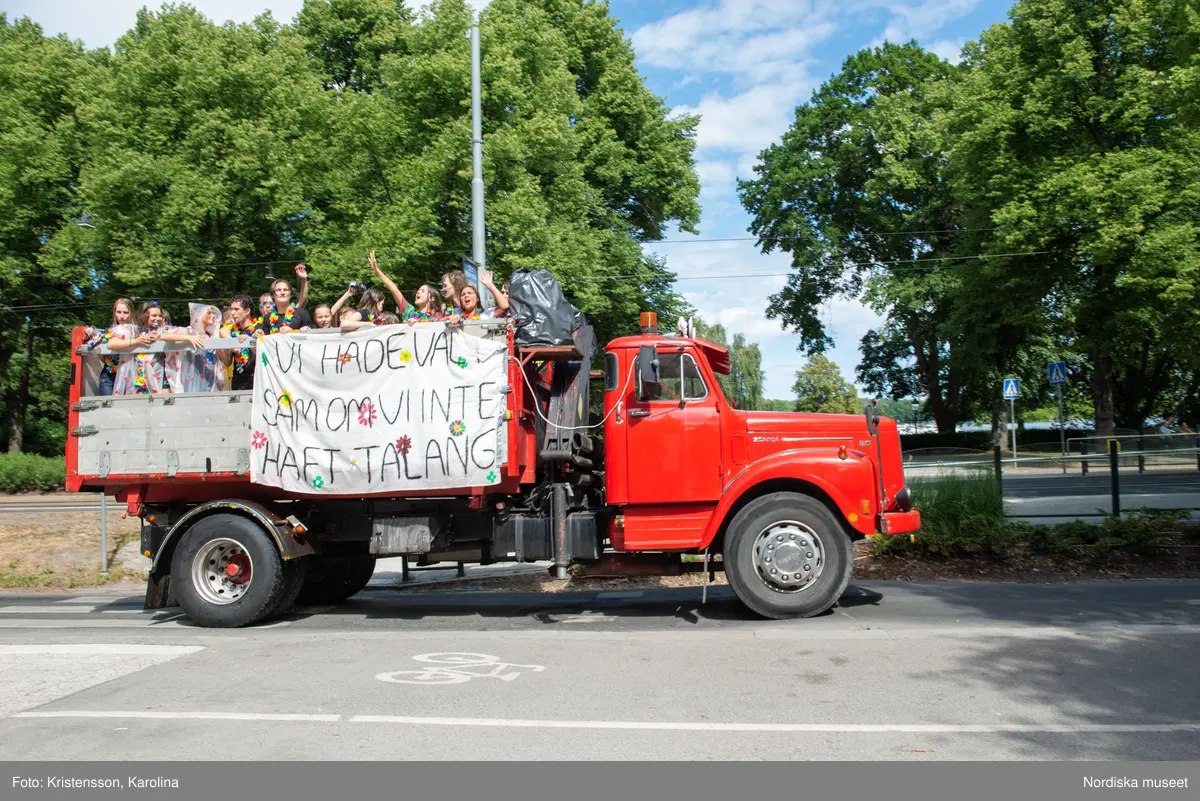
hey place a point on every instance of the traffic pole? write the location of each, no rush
(1062, 431)
(103, 534)
(1012, 413)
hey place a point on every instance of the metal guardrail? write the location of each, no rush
(1113, 458)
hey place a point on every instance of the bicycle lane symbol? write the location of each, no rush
(458, 668)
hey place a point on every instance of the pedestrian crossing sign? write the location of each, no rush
(1012, 388)
(1058, 373)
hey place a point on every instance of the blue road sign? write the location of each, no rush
(1058, 373)
(1012, 388)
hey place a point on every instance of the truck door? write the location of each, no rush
(674, 435)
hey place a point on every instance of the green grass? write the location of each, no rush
(24, 472)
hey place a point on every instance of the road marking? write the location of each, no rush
(94, 599)
(87, 713)
(46, 610)
(781, 727)
(178, 620)
(643, 725)
(457, 668)
(88, 649)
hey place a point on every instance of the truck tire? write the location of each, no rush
(226, 572)
(333, 579)
(295, 574)
(786, 556)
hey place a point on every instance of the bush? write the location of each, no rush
(24, 472)
(964, 516)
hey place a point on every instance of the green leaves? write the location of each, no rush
(820, 388)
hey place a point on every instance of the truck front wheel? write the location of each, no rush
(226, 572)
(786, 556)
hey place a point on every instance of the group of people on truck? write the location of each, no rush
(199, 369)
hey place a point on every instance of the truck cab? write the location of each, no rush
(686, 471)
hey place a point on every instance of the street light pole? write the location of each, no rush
(477, 227)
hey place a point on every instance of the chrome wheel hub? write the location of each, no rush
(222, 571)
(788, 556)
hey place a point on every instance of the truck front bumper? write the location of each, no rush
(902, 522)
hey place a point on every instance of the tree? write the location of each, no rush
(581, 162)
(744, 384)
(820, 387)
(40, 153)
(1074, 135)
(855, 192)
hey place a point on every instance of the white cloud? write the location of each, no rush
(747, 122)
(923, 19)
(99, 23)
(757, 37)
(949, 49)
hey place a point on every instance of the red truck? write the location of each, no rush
(673, 469)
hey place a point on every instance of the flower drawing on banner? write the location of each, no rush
(318, 482)
(457, 428)
(404, 445)
(461, 361)
(405, 356)
(366, 415)
(264, 359)
(345, 358)
(491, 477)
(258, 441)
(285, 399)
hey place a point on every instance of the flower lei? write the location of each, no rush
(275, 324)
(109, 362)
(140, 385)
(241, 357)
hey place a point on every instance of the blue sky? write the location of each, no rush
(743, 65)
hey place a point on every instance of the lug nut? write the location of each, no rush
(774, 571)
(791, 536)
(809, 554)
(806, 567)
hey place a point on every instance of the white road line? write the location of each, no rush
(46, 610)
(780, 727)
(93, 599)
(640, 725)
(178, 621)
(182, 715)
(88, 649)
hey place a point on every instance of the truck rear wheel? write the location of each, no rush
(226, 572)
(786, 556)
(333, 579)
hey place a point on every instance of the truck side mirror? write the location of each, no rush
(648, 369)
(872, 418)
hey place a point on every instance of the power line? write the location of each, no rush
(897, 266)
(795, 237)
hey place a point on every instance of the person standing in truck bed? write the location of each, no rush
(243, 326)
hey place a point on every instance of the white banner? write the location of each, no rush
(383, 409)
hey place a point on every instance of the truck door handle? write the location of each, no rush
(639, 412)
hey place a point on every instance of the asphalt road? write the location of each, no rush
(1099, 484)
(898, 671)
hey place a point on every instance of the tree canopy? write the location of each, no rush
(205, 159)
(1033, 204)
